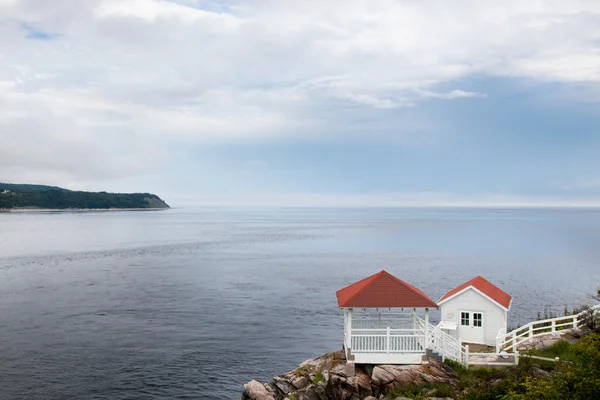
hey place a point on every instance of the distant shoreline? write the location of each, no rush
(73, 210)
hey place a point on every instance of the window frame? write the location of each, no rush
(463, 319)
(477, 320)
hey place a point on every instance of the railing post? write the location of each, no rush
(388, 340)
(443, 349)
(516, 357)
(467, 356)
(553, 325)
(530, 331)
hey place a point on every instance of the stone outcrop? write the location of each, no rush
(330, 377)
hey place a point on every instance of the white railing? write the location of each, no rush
(382, 323)
(387, 341)
(510, 341)
(442, 343)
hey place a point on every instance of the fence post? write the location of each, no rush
(467, 356)
(516, 357)
(530, 331)
(388, 340)
(553, 325)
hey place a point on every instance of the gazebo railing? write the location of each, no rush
(382, 323)
(387, 340)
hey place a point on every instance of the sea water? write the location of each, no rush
(193, 303)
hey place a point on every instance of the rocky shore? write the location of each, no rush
(329, 377)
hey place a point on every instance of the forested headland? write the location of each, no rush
(21, 196)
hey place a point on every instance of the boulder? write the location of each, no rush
(300, 382)
(254, 390)
(387, 377)
(282, 385)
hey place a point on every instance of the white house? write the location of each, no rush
(475, 312)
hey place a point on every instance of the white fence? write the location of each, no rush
(510, 341)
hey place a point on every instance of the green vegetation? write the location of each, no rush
(51, 197)
(318, 378)
(561, 349)
(578, 380)
(577, 377)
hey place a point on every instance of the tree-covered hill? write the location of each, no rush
(51, 197)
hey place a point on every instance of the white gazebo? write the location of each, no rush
(381, 325)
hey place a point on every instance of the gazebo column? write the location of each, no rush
(414, 318)
(426, 328)
(347, 327)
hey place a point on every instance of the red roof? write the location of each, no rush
(383, 290)
(485, 287)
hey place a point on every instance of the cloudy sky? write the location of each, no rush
(314, 102)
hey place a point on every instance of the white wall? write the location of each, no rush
(494, 317)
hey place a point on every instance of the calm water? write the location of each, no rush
(191, 304)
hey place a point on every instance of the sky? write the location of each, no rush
(320, 103)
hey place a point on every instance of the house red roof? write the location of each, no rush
(485, 287)
(383, 290)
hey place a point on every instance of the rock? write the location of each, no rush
(345, 381)
(254, 390)
(312, 392)
(387, 377)
(282, 385)
(363, 380)
(343, 369)
(319, 364)
(300, 382)
(539, 373)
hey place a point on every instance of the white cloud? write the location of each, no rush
(370, 100)
(144, 70)
(453, 94)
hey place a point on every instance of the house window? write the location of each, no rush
(477, 319)
(464, 318)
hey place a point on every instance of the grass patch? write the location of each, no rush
(318, 378)
(561, 349)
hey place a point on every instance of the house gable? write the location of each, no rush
(472, 294)
(483, 287)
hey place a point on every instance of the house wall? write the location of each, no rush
(494, 317)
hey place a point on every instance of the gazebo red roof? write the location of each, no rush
(484, 286)
(383, 290)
